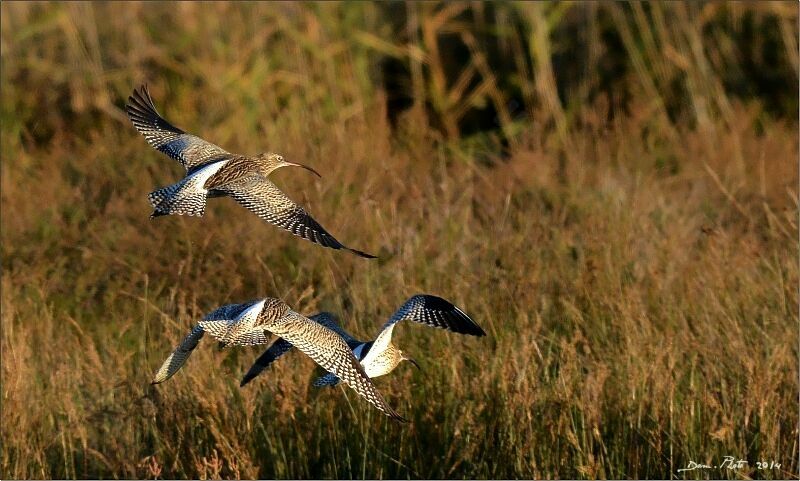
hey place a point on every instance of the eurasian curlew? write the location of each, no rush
(380, 356)
(251, 322)
(214, 172)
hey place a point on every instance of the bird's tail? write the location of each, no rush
(183, 198)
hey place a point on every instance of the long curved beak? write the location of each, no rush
(305, 167)
(414, 363)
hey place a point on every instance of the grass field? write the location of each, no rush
(626, 234)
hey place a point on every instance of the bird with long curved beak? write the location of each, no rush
(381, 356)
(214, 172)
(253, 322)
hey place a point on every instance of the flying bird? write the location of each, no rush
(380, 356)
(212, 171)
(251, 323)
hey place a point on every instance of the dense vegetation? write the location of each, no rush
(609, 189)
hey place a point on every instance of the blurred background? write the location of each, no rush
(608, 189)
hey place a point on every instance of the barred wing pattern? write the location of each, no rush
(264, 199)
(229, 311)
(236, 324)
(329, 320)
(282, 346)
(435, 312)
(178, 357)
(332, 353)
(191, 151)
(254, 337)
(432, 311)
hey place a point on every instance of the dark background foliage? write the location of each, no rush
(609, 189)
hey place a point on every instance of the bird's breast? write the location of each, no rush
(381, 364)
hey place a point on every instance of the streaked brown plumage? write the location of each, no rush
(251, 323)
(212, 171)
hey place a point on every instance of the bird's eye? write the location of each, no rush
(280, 158)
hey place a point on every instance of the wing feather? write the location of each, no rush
(191, 151)
(282, 346)
(329, 320)
(263, 198)
(326, 380)
(435, 312)
(431, 311)
(229, 311)
(178, 358)
(332, 353)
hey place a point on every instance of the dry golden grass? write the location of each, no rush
(637, 277)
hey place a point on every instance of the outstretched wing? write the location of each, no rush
(273, 352)
(234, 324)
(432, 311)
(282, 346)
(191, 151)
(435, 312)
(329, 320)
(179, 356)
(332, 353)
(229, 311)
(264, 199)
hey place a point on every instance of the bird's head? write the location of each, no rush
(273, 162)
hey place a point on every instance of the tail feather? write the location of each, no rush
(182, 198)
